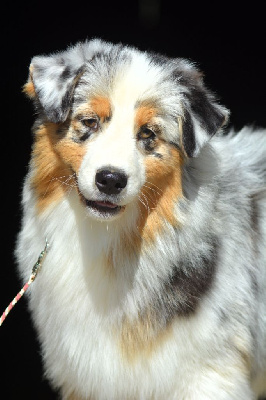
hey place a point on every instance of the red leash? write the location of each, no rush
(33, 275)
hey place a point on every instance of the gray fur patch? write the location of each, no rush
(190, 280)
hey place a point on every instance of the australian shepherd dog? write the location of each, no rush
(154, 285)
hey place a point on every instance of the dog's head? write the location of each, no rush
(118, 124)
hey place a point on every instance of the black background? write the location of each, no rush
(227, 42)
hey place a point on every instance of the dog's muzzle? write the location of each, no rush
(109, 183)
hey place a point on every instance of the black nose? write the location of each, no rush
(110, 182)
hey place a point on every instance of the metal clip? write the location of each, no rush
(38, 264)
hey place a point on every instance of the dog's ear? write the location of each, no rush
(202, 115)
(51, 83)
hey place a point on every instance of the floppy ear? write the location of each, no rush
(202, 115)
(51, 83)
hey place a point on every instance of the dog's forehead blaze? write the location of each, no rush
(159, 194)
(55, 161)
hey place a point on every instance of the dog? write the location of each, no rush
(154, 285)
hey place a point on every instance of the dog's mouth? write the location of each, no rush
(103, 209)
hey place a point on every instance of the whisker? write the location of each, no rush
(152, 190)
(157, 187)
(149, 196)
(145, 203)
(154, 194)
(62, 182)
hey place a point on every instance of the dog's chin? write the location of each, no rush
(103, 210)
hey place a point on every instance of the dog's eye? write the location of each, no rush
(146, 133)
(91, 123)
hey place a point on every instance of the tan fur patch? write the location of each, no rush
(144, 115)
(160, 192)
(74, 397)
(55, 161)
(243, 347)
(29, 89)
(110, 261)
(101, 106)
(140, 339)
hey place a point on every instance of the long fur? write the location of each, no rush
(154, 286)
